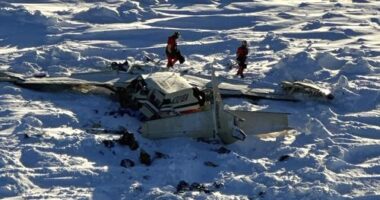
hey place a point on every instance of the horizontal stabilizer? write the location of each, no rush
(255, 123)
(195, 125)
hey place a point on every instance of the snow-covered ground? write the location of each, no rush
(47, 150)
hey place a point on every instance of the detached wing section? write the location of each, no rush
(10, 77)
(308, 88)
(229, 88)
(108, 79)
(256, 123)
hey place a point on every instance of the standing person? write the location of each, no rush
(241, 57)
(172, 52)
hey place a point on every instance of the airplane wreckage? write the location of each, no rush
(192, 102)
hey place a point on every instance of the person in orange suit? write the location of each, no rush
(241, 58)
(172, 52)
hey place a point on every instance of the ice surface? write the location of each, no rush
(49, 148)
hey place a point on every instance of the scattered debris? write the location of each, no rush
(284, 158)
(120, 66)
(210, 164)
(208, 140)
(106, 131)
(199, 187)
(127, 163)
(119, 112)
(159, 155)
(129, 140)
(223, 150)
(108, 143)
(145, 158)
(308, 88)
(96, 125)
(149, 59)
(183, 186)
(39, 74)
(217, 185)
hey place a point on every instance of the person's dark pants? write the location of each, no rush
(242, 66)
(173, 57)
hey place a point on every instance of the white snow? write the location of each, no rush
(48, 148)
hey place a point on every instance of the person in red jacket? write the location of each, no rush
(241, 57)
(172, 52)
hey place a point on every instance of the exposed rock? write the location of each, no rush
(129, 140)
(127, 163)
(108, 143)
(223, 150)
(208, 140)
(217, 185)
(199, 187)
(183, 186)
(284, 158)
(261, 194)
(210, 164)
(145, 158)
(160, 155)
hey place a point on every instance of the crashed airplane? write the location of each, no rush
(191, 102)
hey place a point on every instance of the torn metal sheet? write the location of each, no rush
(308, 88)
